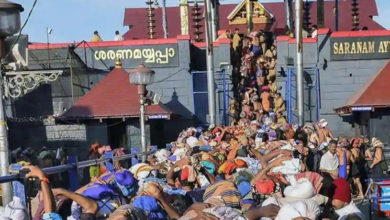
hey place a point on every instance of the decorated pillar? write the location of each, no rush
(151, 20)
(184, 17)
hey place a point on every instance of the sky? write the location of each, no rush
(75, 20)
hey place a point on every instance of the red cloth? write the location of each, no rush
(341, 190)
(184, 173)
(265, 187)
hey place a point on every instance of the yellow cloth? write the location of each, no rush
(282, 120)
(279, 105)
(94, 171)
(236, 41)
(226, 190)
(96, 38)
(269, 53)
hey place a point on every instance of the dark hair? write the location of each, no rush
(315, 26)
(116, 32)
(95, 32)
(302, 136)
(181, 203)
(332, 142)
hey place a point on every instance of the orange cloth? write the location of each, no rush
(265, 187)
(233, 153)
(240, 163)
(265, 101)
(227, 168)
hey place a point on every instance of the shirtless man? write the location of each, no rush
(324, 134)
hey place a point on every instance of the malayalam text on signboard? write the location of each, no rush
(131, 56)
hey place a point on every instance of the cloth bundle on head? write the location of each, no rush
(375, 142)
(313, 177)
(98, 191)
(340, 190)
(253, 165)
(302, 189)
(265, 89)
(306, 208)
(226, 190)
(290, 167)
(323, 123)
(244, 188)
(242, 152)
(188, 174)
(192, 141)
(126, 182)
(209, 166)
(140, 170)
(206, 148)
(240, 163)
(150, 205)
(104, 149)
(265, 187)
(227, 167)
(162, 155)
(180, 153)
(309, 126)
(272, 136)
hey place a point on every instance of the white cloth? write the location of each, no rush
(15, 210)
(192, 141)
(304, 208)
(302, 189)
(254, 165)
(329, 161)
(162, 155)
(289, 167)
(180, 153)
(118, 37)
(269, 201)
(287, 147)
(348, 210)
(140, 175)
(314, 34)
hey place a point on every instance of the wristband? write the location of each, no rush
(45, 179)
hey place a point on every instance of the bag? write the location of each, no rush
(384, 165)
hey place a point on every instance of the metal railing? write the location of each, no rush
(76, 165)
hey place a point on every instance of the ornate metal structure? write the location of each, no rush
(151, 20)
(306, 15)
(197, 18)
(184, 17)
(355, 15)
(17, 84)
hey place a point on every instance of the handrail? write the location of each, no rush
(82, 164)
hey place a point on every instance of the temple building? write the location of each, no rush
(85, 97)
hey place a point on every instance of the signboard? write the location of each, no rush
(360, 48)
(161, 55)
(362, 109)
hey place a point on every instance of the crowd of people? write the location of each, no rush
(258, 167)
(249, 170)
